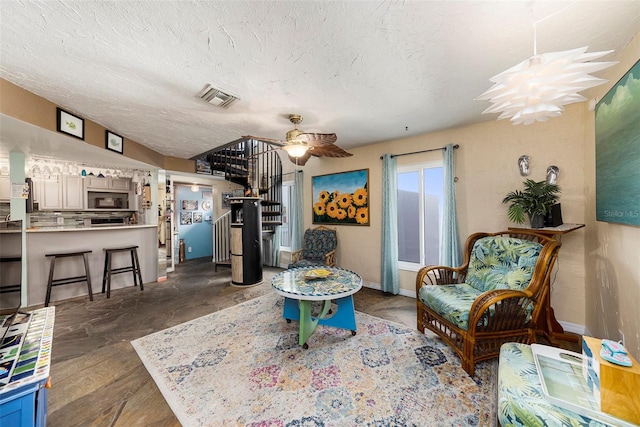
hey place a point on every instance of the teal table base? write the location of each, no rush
(300, 310)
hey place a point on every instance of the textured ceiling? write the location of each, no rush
(368, 71)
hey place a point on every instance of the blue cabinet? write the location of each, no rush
(26, 360)
(25, 406)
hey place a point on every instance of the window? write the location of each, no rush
(288, 190)
(420, 205)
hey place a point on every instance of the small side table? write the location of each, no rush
(26, 362)
(517, 372)
(552, 329)
(300, 292)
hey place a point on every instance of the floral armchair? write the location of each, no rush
(319, 248)
(498, 295)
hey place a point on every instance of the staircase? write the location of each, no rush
(246, 162)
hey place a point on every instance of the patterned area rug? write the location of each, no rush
(242, 366)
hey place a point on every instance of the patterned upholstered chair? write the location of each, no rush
(498, 295)
(319, 248)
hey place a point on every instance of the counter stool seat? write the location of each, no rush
(108, 270)
(68, 280)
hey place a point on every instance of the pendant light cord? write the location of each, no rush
(535, 22)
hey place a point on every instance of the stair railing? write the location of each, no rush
(222, 241)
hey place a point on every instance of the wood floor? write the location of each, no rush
(97, 378)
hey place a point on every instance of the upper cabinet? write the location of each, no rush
(72, 192)
(5, 188)
(109, 193)
(108, 183)
(48, 193)
(123, 184)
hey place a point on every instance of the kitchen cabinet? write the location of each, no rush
(5, 188)
(59, 193)
(49, 194)
(109, 193)
(95, 182)
(108, 183)
(72, 192)
(120, 184)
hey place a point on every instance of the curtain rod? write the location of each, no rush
(422, 151)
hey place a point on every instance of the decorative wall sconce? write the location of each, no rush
(552, 174)
(523, 165)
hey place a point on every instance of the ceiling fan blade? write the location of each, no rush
(316, 139)
(329, 150)
(277, 142)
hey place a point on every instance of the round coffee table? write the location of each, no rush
(300, 291)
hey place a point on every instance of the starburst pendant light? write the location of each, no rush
(538, 88)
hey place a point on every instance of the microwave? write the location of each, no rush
(108, 202)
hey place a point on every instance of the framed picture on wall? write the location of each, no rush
(70, 124)
(189, 205)
(617, 128)
(185, 218)
(226, 200)
(203, 166)
(113, 142)
(341, 198)
(197, 217)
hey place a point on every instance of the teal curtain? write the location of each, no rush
(297, 214)
(450, 248)
(390, 277)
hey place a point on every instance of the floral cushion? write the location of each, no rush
(500, 262)
(317, 243)
(452, 302)
(307, 263)
(520, 398)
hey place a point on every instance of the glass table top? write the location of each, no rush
(295, 284)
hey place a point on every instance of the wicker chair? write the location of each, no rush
(319, 248)
(502, 289)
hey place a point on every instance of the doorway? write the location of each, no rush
(194, 214)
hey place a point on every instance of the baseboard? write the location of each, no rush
(567, 326)
(574, 328)
(378, 287)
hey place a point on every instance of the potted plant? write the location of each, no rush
(535, 201)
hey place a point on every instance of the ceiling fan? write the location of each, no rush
(300, 146)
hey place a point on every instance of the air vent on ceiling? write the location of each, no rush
(217, 97)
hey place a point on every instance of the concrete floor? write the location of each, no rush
(96, 376)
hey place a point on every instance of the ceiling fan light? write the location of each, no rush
(296, 150)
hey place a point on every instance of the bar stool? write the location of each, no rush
(134, 268)
(68, 280)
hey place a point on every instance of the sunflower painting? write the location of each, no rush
(341, 198)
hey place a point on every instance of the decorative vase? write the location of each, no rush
(536, 220)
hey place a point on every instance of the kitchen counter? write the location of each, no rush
(93, 228)
(46, 240)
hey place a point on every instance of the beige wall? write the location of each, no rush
(612, 251)
(31, 108)
(487, 169)
(597, 279)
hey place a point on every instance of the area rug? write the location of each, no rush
(242, 366)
